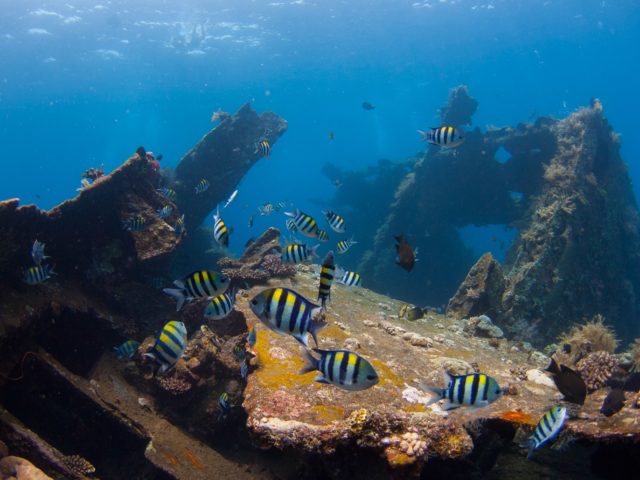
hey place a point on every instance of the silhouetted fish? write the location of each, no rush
(367, 106)
(613, 403)
(569, 383)
(406, 256)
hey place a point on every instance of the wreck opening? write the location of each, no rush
(494, 238)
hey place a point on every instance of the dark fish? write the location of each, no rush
(632, 383)
(569, 383)
(331, 136)
(613, 403)
(159, 157)
(414, 313)
(406, 256)
(250, 224)
(367, 106)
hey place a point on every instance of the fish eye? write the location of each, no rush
(254, 302)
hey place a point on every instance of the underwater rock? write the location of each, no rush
(20, 469)
(459, 108)
(482, 326)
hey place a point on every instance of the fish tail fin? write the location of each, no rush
(177, 294)
(425, 135)
(316, 325)
(436, 392)
(313, 252)
(51, 270)
(292, 214)
(352, 241)
(531, 447)
(310, 362)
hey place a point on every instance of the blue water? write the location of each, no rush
(84, 83)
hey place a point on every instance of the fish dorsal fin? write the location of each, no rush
(447, 379)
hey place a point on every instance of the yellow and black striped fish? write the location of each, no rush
(473, 390)
(170, 193)
(298, 253)
(38, 274)
(321, 235)
(326, 278)
(220, 230)
(350, 279)
(335, 221)
(304, 223)
(443, 136)
(202, 186)
(264, 147)
(341, 368)
(135, 223)
(548, 427)
(169, 346)
(344, 245)
(220, 306)
(199, 284)
(287, 312)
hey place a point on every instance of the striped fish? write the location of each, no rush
(304, 223)
(220, 306)
(199, 284)
(202, 186)
(225, 405)
(179, 226)
(344, 245)
(341, 368)
(266, 209)
(220, 230)
(135, 223)
(169, 346)
(244, 369)
(279, 206)
(37, 252)
(548, 428)
(326, 278)
(127, 349)
(252, 337)
(240, 352)
(335, 221)
(165, 211)
(264, 147)
(298, 253)
(443, 136)
(291, 225)
(287, 312)
(474, 390)
(170, 193)
(350, 279)
(38, 274)
(321, 235)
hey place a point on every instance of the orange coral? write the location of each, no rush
(516, 416)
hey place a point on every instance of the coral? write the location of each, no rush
(519, 373)
(635, 355)
(408, 443)
(78, 465)
(594, 336)
(274, 266)
(596, 369)
(174, 385)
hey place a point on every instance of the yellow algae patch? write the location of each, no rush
(416, 407)
(386, 375)
(328, 413)
(278, 370)
(332, 331)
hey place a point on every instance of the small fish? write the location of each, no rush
(335, 221)
(613, 402)
(250, 223)
(305, 224)
(266, 209)
(244, 369)
(279, 206)
(548, 428)
(327, 272)
(38, 274)
(285, 311)
(239, 352)
(220, 306)
(350, 279)
(179, 226)
(198, 284)
(127, 349)
(342, 368)
(225, 405)
(569, 383)
(298, 253)
(367, 106)
(168, 192)
(252, 337)
(220, 230)
(135, 223)
(331, 136)
(202, 186)
(344, 245)
(264, 147)
(410, 312)
(169, 346)
(474, 390)
(165, 211)
(37, 252)
(291, 225)
(321, 235)
(405, 255)
(231, 198)
(337, 183)
(442, 136)
(403, 310)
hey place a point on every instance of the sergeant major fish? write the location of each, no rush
(285, 311)
(442, 136)
(169, 346)
(135, 223)
(321, 235)
(475, 390)
(198, 284)
(326, 279)
(350, 279)
(291, 225)
(165, 211)
(264, 148)
(179, 226)
(335, 221)
(304, 223)
(220, 230)
(344, 245)
(548, 428)
(298, 253)
(127, 349)
(341, 368)
(38, 274)
(224, 404)
(220, 306)
(170, 193)
(202, 186)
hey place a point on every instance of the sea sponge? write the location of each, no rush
(635, 356)
(594, 336)
(596, 369)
